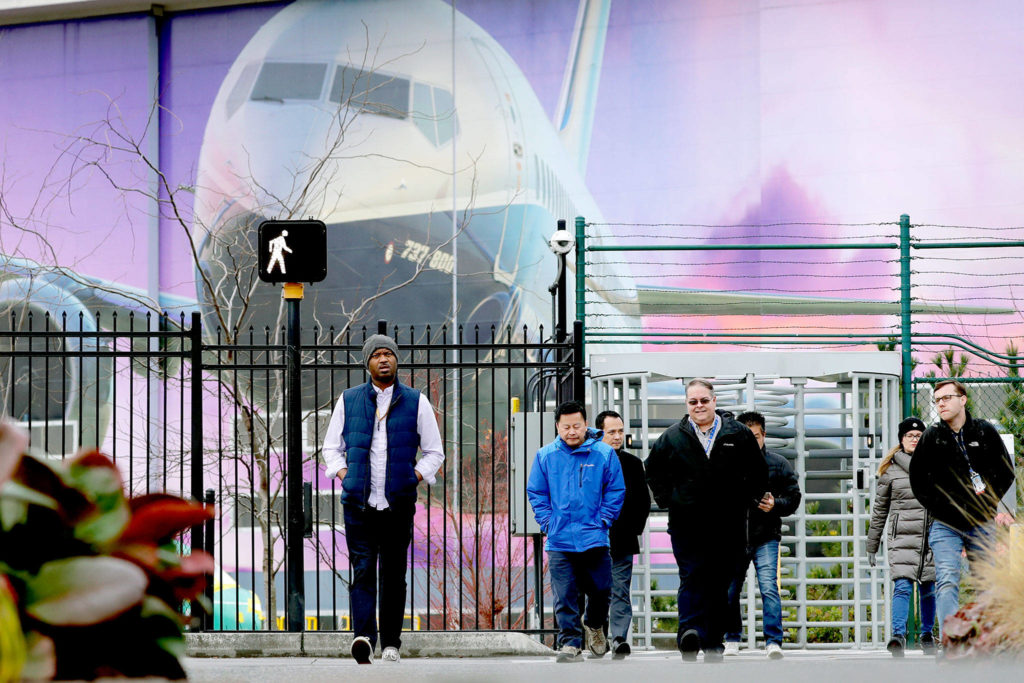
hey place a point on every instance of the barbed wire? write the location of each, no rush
(648, 262)
(986, 228)
(744, 225)
(940, 278)
(752, 276)
(746, 237)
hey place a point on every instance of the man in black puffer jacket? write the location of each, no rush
(708, 471)
(959, 473)
(764, 533)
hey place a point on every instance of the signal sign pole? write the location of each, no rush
(293, 423)
(290, 253)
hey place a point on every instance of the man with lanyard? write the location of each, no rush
(708, 471)
(370, 446)
(959, 473)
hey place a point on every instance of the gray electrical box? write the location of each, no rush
(529, 431)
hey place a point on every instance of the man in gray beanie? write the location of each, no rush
(375, 343)
(371, 445)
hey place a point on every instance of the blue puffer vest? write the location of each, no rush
(403, 443)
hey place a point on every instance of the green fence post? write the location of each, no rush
(908, 361)
(581, 282)
(907, 371)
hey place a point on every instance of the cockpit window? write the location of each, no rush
(433, 110)
(444, 107)
(371, 92)
(281, 81)
(423, 111)
(241, 89)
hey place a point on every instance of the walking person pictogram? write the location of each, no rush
(277, 248)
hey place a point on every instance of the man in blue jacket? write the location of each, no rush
(576, 491)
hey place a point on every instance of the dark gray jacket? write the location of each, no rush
(909, 554)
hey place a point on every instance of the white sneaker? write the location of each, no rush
(390, 654)
(731, 649)
(774, 651)
(361, 650)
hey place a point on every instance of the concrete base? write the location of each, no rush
(335, 644)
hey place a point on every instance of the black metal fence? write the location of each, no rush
(207, 419)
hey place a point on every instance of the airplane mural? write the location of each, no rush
(345, 111)
(348, 111)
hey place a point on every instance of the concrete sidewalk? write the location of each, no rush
(337, 644)
(831, 666)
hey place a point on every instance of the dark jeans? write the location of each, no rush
(620, 612)
(378, 537)
(589, 571)
(706, 567)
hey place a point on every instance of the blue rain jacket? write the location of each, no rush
(576, 494)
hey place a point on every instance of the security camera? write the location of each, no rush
(561, 242)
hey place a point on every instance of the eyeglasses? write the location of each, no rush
(383, 353)
(939, 400)
(912, 437)
(703, 401)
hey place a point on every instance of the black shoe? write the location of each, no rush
(896, 646)
(362, 650)
(714, 656)
(689, 645)
(927, 644)
(620, 649)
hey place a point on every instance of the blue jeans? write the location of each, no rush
(591, 571)
(947, 544)
(378, 537)
(766, 565)
(621, 613)
(901, 590)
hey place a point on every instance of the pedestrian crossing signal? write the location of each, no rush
(292, 251)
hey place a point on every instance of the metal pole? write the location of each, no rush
(293, 447)
(195, 339)
(905, 322)
(581, 276)
(579, 388)
(211, 500)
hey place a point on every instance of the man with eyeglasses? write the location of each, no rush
(371, 444)
(959, 473)
(708, 471)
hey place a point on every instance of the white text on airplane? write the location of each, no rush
(419, 253)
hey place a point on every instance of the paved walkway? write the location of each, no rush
(818, 666)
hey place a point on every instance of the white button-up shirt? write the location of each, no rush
(431, 447)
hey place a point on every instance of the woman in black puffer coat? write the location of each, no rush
(910, 558)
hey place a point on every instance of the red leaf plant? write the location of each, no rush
(95, 579)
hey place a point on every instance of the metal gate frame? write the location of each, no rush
(864, 390)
